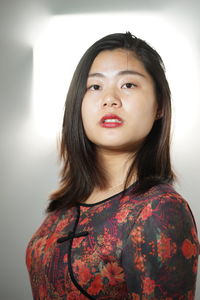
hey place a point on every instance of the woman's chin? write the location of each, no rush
(117, 147)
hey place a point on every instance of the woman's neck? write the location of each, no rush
(116, 165)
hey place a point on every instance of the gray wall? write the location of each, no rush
(28, 168)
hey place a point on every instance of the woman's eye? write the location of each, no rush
(94, 87)
(128, 85)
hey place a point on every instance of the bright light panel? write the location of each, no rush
(65, 39)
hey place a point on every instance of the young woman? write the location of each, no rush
(116, 228)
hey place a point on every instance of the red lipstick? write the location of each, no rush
(111, 121)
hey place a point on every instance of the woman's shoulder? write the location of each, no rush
(163, 208)
(161, 192)
(167, 196)
(161, 200)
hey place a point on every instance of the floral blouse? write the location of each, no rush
(130, 247)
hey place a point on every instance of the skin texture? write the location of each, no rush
(131, 97)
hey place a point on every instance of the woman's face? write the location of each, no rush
(119, 106)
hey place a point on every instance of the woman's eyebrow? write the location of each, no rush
(124, 72)
(131, 72)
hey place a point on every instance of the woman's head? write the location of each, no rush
(119, 106)
(141, 51)
(152, 160)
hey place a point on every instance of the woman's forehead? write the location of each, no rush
(119, 58)
(111, 62)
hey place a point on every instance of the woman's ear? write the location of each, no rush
(159, 114)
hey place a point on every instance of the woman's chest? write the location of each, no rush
(92, 235)
(85, 253)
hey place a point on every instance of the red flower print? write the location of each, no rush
(65, 258)
(113, 272)
(115, 260)
(82, 271)
(195, 266)
(125, 199)
(106, 249)
(106, 241)
(48, 222)
(190, 295)
(194, 233)
(28, 259)
(84, 221)
(148, 286)
(122, 215)
(165, 248)
(100, 209)
(51, 241)
(96, 285)
(77, 241)
(39, 246)
(188, 249)
(42, 291)
(135, 296)
(137, 236)
(61, 225)
(73, 296)
(84, 276)
(146, 212)
(139, 262)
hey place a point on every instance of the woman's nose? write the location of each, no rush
(111, 100)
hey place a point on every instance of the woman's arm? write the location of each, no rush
(161, 253)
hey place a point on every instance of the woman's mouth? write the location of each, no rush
(111, 121)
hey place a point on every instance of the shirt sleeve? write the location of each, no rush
(160, 256)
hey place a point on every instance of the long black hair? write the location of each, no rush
(80, 170)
